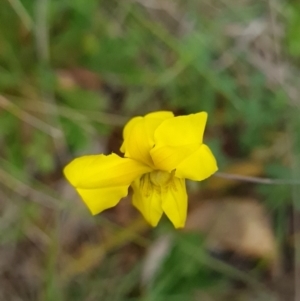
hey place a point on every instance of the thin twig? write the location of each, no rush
(257, 180)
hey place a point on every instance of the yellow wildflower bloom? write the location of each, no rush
(160, 152)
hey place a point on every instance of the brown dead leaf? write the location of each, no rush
(238, 225)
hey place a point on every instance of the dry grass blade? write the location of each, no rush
(25, 190)
(22, 13)
(28, 118)
(91, 256)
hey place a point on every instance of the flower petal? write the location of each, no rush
(138, 144)
(96, 171)
(174, 202)
(127, 130)
(147, 199)
(168, 157)
(99, 199)
(103, 180)
(162, 115)
(139, 136)
(181, 130)
(198, 166)
(177, 138)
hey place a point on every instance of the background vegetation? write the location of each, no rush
(72, 72)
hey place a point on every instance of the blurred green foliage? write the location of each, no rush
(183, 56)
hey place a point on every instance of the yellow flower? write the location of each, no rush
(160, 152)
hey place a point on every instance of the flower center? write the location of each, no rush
(160, 178)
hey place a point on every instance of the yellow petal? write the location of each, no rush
(102, 180)
(139, 136)
(147, 199)
(168, 157)
(99, 199)
(198, 166)
(174, 202)
(138, 143)
(127, 130)
(162, 115)
(177, 138)
(96, 171)
(181, 130)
